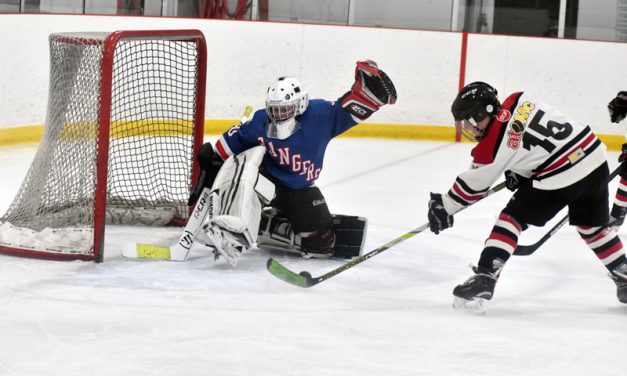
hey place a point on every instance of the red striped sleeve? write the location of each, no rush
(223, 151)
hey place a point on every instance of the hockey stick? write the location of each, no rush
(180, 250)
(526, 250)
(305, 279)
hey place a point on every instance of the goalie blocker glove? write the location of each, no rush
(371, 90)
(618, 107)
(210, 164)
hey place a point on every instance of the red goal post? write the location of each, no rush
(125, 118)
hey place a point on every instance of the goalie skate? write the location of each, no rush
(275, 234)
(226, 244)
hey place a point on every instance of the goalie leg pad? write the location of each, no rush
(276, 233)
(235, 204)
(229, 245)
(350, 235)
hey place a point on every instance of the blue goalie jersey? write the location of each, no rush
(296, 161)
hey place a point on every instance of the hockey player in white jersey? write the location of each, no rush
(618, 110)
(550, 160)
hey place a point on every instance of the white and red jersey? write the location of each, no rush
(533, 140)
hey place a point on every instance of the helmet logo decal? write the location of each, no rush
(469, 92)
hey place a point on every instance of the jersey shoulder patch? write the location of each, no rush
(485, 151)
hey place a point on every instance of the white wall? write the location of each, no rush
(578, 76)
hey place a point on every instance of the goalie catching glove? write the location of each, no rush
(371, 90)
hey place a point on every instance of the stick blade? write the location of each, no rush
(525, 250)
(154, 252)
(281, 272)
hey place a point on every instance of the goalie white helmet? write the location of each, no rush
(286, 99)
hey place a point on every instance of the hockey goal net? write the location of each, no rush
(124, 120)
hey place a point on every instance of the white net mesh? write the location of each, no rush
(150, 144)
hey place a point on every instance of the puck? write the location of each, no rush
(306, 275)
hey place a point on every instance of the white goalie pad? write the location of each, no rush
(238, 194)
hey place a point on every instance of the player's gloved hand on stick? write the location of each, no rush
(622, 158)
(618, 107)
(513, 181)
(623, 155)
(371, 90)
(210, 164)
(439, 219)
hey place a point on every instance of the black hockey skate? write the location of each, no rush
(619, 276)
(471, 295)
(617, 217)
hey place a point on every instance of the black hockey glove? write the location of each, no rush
(513, 181)
(439, 219)
(618, 107)
(622, 159)
(210, 164)
(623, 155)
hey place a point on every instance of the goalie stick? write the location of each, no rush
(180, 250)
(305, 279)
(526, 250)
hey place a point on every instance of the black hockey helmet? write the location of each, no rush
(476, 101)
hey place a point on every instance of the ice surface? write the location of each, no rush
(554, 313)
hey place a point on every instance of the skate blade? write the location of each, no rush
(475, 306)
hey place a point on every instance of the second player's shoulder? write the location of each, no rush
(485, 151)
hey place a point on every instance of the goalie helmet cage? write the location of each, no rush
(124, 121)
